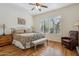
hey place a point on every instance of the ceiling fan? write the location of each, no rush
(38, 6)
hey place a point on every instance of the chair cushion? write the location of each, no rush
(65, 40)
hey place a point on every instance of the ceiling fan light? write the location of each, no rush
(36, 7)
(39, 7)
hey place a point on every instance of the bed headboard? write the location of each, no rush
(17, 31)
(20, 30)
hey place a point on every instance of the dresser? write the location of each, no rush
(5, 40)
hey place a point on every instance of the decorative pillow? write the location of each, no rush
(20, 31)
(28, 31)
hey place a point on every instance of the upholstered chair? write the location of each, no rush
(71, 41)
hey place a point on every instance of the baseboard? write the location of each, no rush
(55, 41)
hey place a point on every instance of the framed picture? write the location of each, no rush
(21, 21)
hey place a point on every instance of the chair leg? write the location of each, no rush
(61, 43)
(47, 42)
(34, 47)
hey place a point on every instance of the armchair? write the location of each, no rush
(71, 41)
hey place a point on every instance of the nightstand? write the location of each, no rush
(5, 39)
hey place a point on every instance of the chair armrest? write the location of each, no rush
(65, 38)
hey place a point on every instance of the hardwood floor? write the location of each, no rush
(11, 50)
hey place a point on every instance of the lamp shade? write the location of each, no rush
(77, 24)
(2, 26)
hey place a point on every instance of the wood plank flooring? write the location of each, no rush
(11, 50)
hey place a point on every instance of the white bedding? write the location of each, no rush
(24, 40)
(18, 44)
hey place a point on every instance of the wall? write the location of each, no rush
(69, 14)
(9, 13)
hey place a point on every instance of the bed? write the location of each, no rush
(23, 39)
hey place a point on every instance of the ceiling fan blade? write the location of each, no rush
(32, 4)
(39, 9)
(44, 6)
(33, 8)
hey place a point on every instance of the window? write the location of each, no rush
(51, 25)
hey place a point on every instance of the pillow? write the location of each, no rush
(28, 31)
(20, 31)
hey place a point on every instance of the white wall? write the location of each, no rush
(69, 16)
(9, 14)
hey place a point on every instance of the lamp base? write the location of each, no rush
(3, 34)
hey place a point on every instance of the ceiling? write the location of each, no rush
(51, 6)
